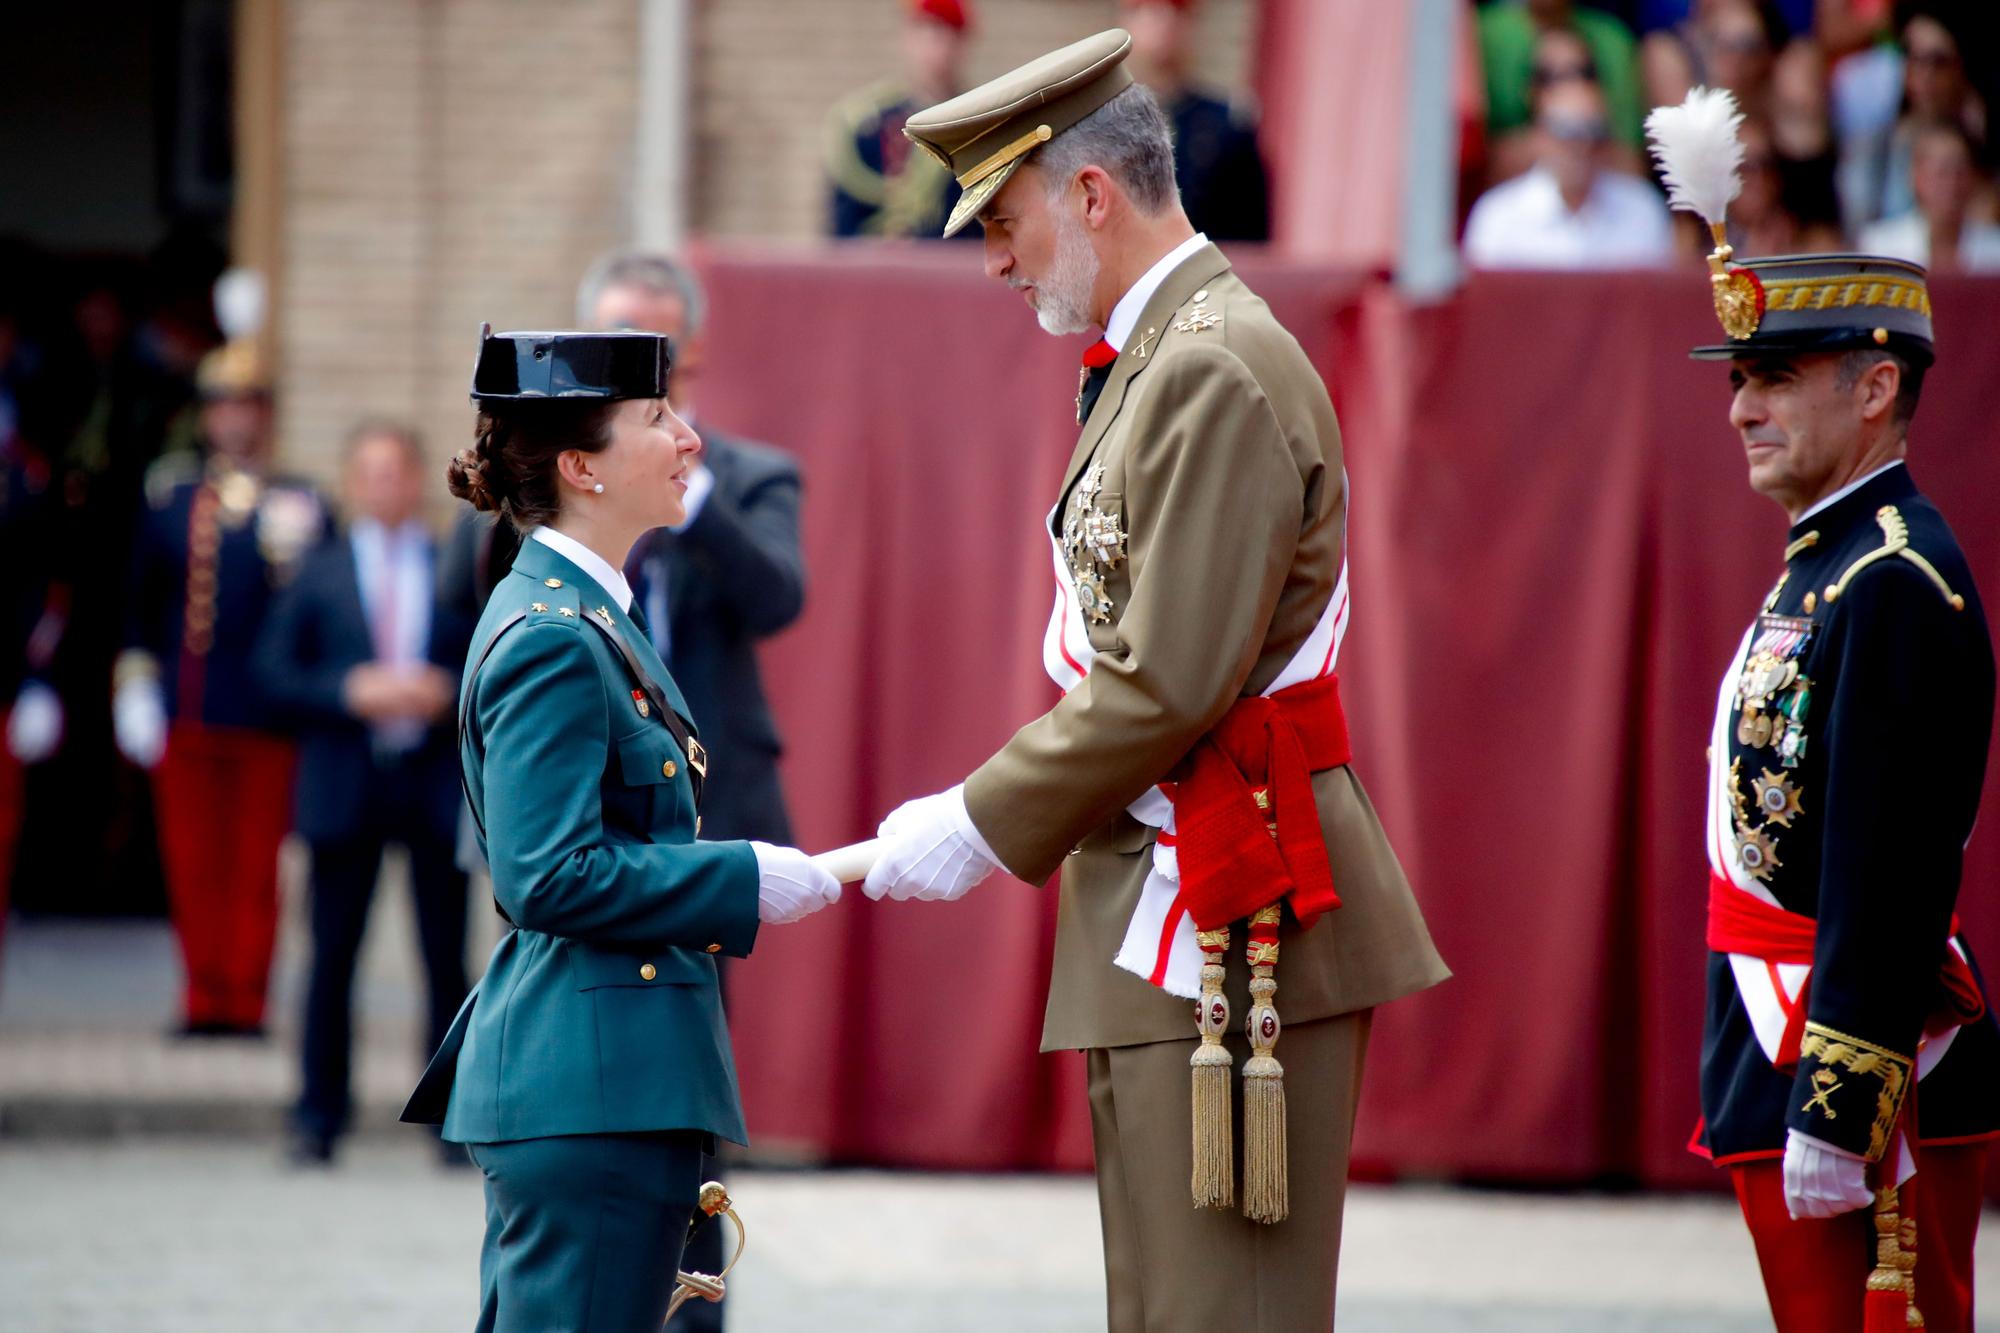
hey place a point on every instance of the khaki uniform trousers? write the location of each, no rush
(1171, 1266)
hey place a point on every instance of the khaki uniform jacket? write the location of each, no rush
(1222, 457)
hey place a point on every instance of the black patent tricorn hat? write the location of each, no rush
(1821, 303)
(625, 364)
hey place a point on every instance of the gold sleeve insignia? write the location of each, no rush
(1841, 1071)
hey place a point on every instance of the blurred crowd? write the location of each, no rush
(1866, 127)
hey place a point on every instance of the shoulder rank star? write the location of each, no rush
(1198, 319)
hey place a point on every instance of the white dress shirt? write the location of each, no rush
(589, 561)
(1125, 315)
(1526, 223)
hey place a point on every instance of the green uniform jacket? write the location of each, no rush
(599, 1013)
(1222, 464)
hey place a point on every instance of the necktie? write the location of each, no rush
(1097, 361)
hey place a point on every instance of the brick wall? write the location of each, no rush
(445, 163)
(448, 161)
(770, 69)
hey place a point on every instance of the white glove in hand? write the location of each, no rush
(35, 727)
(931, 851)
(789, 885)
(139, 720)
(1822, 1180)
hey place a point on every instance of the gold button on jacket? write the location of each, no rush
(669, 768)
(648, 971)
(715, 948)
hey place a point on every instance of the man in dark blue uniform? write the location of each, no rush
(1216, 162)
(1848, 1047)
(879, 185)
(218, 538)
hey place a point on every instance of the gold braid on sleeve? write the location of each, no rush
(1836, 1054)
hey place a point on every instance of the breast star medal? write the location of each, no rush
(1777, 797)
(1756, 852)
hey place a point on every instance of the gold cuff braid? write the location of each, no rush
(1837, 1052)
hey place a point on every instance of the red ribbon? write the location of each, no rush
(1231, 865)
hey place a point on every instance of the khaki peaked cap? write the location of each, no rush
(984, 135)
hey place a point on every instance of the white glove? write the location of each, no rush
(1822, 1180)
(931, 851)
(789, 885)
(139, 721)
(36, 726)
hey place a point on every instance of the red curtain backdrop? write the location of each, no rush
(1553, 552)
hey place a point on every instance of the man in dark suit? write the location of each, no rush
(362, 661)
(728, 576)
(731, 574)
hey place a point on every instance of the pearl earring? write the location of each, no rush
(599, 488)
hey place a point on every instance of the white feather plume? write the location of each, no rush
(239, 302)
(1700, 157)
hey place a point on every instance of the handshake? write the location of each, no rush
(927, 849)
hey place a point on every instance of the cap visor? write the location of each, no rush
(976, 198)
(1915, 350)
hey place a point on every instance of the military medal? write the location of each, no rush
(639, 702)
(1777, 797)
(1756, 852)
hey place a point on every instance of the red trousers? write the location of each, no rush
(223, 800)
(1814, 1270)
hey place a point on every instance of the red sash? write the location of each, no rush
(1236, 857)
(1741, 922)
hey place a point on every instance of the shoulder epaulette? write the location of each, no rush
(167, 473)
(1896, 544)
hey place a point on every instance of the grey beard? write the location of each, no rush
(1064, 307)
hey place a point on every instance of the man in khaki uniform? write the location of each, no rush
(1195, 772)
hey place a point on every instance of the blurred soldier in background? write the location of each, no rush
(362, 661)
(1216, 162)
(218, 537)
(882, 185)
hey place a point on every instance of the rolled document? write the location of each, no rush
(850, 864)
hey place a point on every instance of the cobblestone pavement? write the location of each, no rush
(176, 1235)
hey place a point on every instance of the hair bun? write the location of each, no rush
(466, 475)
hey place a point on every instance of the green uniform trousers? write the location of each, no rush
(584, 1231)
(1172, 1266)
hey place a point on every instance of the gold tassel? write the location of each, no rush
(1265, 1195)
(1213, 1181)
(1908, 1262)
(1884, 1299)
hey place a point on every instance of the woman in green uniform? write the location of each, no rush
(590, 1067)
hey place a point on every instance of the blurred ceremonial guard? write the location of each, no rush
(1216, 161)
(219, 536)
(361, 660)
(880, 185)
(1849, 1060)
(27, 624)
(1193, 783)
